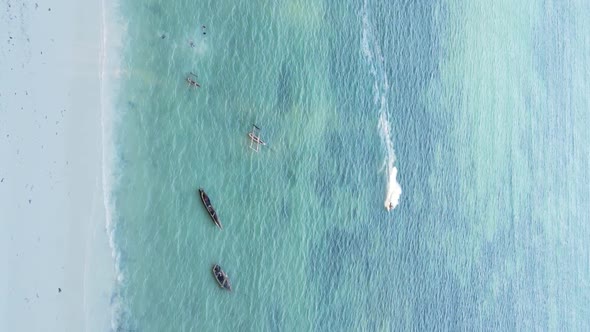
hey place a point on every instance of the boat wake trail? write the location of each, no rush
(372, 52)
(394, 190)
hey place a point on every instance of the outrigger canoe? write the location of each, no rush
(210, 208)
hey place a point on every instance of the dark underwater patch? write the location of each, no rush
(323, 186)
(330, 258)
(291, 177)
(335, 261)
(284, 88)
(336, 167)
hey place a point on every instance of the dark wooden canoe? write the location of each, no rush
(210, 208)
(221, 277)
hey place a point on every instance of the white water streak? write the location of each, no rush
(374, 56)
(110, 72)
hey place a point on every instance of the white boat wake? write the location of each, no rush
(394, 190)
(373, 54)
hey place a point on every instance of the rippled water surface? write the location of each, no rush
(481, 107)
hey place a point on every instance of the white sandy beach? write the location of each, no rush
(56, 266)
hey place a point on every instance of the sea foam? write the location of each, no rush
(372, 52)
(111, 46)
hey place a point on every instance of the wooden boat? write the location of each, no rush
(221, 277)
(191, 79)
(255, 139)
(210, 208)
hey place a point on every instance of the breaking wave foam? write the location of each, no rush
(111, 46)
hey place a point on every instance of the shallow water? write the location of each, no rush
(486, 116)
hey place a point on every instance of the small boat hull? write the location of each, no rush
(209, 207)
(256, 139)
(221, 278)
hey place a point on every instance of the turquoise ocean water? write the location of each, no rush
(482, 106)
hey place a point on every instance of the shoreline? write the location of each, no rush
(58, 266)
